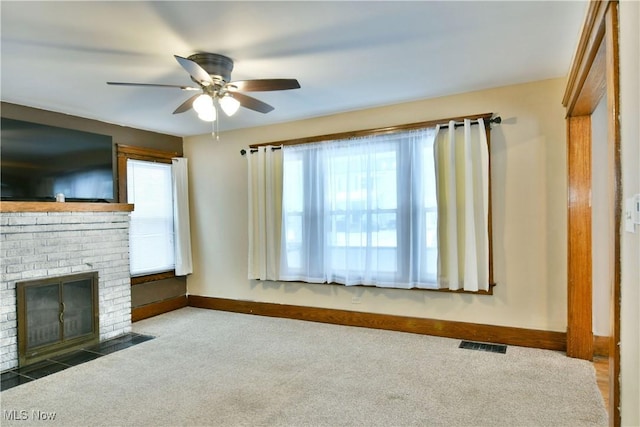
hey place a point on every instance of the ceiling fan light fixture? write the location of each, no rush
(208, 116)
(212, 73)
(229, 105)
(205, 108)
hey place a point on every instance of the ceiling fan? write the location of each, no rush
(212, 73)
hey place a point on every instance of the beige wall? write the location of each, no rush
(602, 220)
(529, 212)
(630, 242)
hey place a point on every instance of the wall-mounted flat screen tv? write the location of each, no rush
(39, 161)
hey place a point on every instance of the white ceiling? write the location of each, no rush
(347, 56)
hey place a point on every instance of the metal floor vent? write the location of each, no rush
(492, 348)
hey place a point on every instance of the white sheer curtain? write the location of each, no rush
(181, 225)
(361, 211)
(265, 207)
(462, 175)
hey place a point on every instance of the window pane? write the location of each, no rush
(293, 238)
(354, 221)
(384, 226)
(384, 177)
(151, 242)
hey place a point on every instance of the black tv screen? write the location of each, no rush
(39, 161)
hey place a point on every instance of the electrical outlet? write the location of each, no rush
(632, 213)
(356, 300)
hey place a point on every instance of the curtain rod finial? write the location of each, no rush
(496, 120)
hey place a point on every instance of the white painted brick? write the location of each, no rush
(8, 325)
(8, 294)
(20, 252)
(33, 274)
(70, 242)
(6, 260)
(10, 340)
(58, 271)
(112, 308)
(54, 249)
(112, 334)
(16, 236)
(8, 333)
(6, 309)
(48, 219)
(80, 268)
(58, 256)
(13, 244)
(35, 245)
(34, 258)
(18, 268)
(6, 277)
(22, 220)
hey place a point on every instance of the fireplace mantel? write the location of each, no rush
(64, 207)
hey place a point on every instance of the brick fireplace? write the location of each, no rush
(60, 239)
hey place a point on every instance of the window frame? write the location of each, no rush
(124, 153)
(444, 123)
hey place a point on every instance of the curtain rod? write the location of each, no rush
(255, 150)
(494, 120)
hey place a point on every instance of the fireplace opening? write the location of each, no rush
(56, 315)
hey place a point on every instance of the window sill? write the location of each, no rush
(460, 291)
(137, 280)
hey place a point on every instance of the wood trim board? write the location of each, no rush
(156, 308)
(579, 291)
(548, 340)
(64, 207)
(594, 72)
(612, 77)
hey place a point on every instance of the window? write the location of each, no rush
(151, 239)
(400, 207)
(145, 180)
(361, 211)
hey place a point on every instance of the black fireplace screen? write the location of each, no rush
(56, 315)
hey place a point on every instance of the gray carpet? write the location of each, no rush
(210, 368)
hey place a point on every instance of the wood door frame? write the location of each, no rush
(594, 73)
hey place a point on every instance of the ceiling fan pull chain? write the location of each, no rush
(214, 124)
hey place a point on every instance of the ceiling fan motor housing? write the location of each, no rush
(218, 66)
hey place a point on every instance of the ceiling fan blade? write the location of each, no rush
(262, 85)
(152, 85)
(195, 70)
(186, 105)
(252, 103)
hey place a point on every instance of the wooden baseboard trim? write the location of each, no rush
(601, 346)
(159, 307)
(547, 340)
